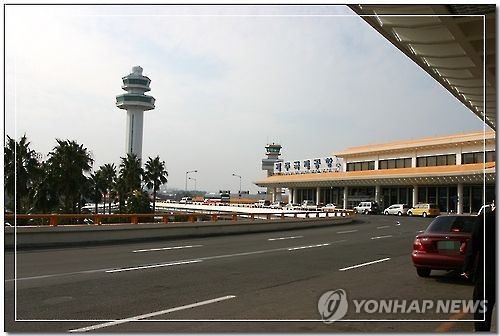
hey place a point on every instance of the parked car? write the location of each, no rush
(443, 244)
(212, 201)
(367, 207)
(329, 207)
(424, 210)
(186, 200)
(292, 206)
(262, 203)
(309, 205)
(397, 209)
(277, 205)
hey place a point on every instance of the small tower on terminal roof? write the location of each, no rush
(135, 102)
(273, 151)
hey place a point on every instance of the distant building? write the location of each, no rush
(456, 171)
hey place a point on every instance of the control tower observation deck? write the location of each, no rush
(273, 151)
(135, 102)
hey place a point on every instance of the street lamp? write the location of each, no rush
(239, 192)
(192, 178)
(188, 172)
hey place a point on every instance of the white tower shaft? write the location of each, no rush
(135, 119)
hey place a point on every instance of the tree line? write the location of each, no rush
(65, 181)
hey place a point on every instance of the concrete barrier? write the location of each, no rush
(84, 235)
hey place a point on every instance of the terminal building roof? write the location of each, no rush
(474, 138)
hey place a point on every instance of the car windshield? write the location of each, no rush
(452, 224)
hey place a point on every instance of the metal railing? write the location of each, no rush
(103, 219)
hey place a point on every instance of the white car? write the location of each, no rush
(276, 205)
(186, 200)
(262, 204)
(397, 209)
(292, 206)
(329, 207)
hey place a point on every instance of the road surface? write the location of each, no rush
(266, 282)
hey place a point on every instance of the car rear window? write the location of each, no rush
(452, 224)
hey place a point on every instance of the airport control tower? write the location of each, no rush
(135, 102)
(273, 153)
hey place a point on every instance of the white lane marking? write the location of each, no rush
(258, 252)
(364, 264)
(153, 266)
(347, 231)
(284, 238)
(161, 312)
(383, 227)
(37, 277)
(166, 248)
(306, 247)
(172, 262)
(381, 237)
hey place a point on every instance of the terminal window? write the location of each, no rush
(436, 160)
(478, 157)
(359, 166)
(395, 163)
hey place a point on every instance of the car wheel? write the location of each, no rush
(400, 213)
(424, 215)
(386, 213)
(355, 211)
(366, 212)
(423, 272)
(410, 214)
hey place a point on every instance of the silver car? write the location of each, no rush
(397, 209)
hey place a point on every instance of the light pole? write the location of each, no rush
(239, 192)
(192, 178)
(186, 185)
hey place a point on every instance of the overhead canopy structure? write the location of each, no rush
(452, 43)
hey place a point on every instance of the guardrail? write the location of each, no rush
(107, 219)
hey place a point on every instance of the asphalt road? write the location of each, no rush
(266, 282)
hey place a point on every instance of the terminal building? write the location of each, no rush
(457, 172)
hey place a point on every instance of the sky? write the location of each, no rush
(227, 80)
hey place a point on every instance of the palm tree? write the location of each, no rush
(68, 163)
(129, 178)
(43, 194)
(109, 177)
(138, 202)
(155, 175)
(121, 190)
(21, 168)
(131, 172)
(98, 185)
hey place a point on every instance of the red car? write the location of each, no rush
(442, 246)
